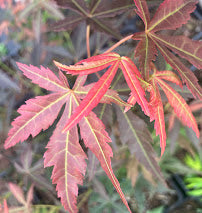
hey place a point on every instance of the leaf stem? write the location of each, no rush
(88, 40)
(119, 43)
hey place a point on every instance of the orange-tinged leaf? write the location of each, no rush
(172, 14)
(95, 138)
(93, 97)
(44, 77)
(187, 76)
(31, 121)
(180, 106)
(90, 65)
(134, 85)
(64, 151)
(189, 49)
(66, 155)
(17, 192)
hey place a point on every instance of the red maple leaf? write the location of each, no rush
(64, 151)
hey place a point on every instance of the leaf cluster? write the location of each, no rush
(64, 151)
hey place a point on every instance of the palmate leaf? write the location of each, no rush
(96, 63)
(170, 15)
(98, 14)
(64, 151)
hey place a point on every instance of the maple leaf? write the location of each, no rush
(97, 63)
(97, 14)
(63, 150)
(170, 15)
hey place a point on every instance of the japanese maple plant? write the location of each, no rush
(64, 151)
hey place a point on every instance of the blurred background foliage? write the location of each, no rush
(39, 31)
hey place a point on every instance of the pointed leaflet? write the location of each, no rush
(18, 193)
(44, 77)
(187, 76)
(131, 100)
(134, 84)
(66, 155)
(90, 65)
(95, 138)
(111, 8)
(183, 46)
(157, 114)
(68, 23)
(181, 108)
(143, 11)
(146, 52)
(134, 132)
(31, 121)
(172, 14)
(73, 5)
(168, 76)
(93, 97)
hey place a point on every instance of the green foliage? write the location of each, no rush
(194, 182)
(3, 50)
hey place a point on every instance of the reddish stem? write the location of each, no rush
(88, 40)
(119, 43)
